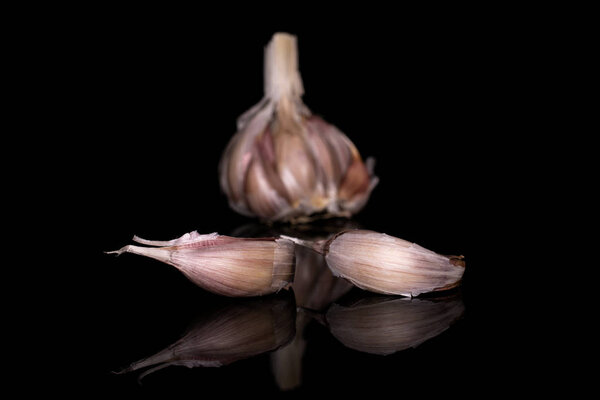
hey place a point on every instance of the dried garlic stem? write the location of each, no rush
(282, 77)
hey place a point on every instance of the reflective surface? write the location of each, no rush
(385, 325)
(231, 330)
(227, 331)
(281, 336)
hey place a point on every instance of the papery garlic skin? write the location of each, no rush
(285, 163)
(385, 264)
(236, 267)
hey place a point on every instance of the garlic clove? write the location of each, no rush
(226, 265)
(386, 325)
(295, 167)
(385, 264)
(239, 154)
(261, 196)
(353, 203)
(355, 181)
(229, 332)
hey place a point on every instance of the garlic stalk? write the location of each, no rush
(385, 264)
(285, 163)
(225, 265)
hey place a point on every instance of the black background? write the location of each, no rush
(146, 104)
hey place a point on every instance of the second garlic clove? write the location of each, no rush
(385, 264)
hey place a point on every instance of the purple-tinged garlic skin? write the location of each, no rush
(385, 264)
(286, 164)
(235, 267)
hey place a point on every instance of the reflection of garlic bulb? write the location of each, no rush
(285, 163)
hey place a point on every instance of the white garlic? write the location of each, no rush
(285, 163)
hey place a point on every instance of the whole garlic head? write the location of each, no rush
(285, 163)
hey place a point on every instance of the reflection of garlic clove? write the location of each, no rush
(385, 325)
(285, 163)
(226, 265)
(384, 264)
(233, 330)
(315, 287)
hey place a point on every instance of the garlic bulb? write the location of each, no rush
(384, 264)
(285, 163)
(225, 265)
(385, 325)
